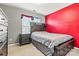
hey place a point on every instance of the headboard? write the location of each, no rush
(37, 27)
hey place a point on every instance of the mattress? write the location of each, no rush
(50, 39)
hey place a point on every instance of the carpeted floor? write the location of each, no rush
(30, 50)
(25, 50)
(73, 52)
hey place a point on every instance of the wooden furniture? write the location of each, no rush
(60, 50)
(24, 39)
(3, 49)
(64, 48)
(3, 34)
(37, 27)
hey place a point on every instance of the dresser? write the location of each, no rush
(26, 38)
(3, 34)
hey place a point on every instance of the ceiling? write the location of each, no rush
(41, 8)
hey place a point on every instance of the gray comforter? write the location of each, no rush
(50, 39)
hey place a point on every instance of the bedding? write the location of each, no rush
(50, 39)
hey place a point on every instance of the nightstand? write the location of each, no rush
(24, 39)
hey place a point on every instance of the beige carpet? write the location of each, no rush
(25, 50)
(30, 50)
(73, 52)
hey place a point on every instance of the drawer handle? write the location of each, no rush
(2, 19)
(1, 30)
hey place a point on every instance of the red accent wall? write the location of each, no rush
(65, 21)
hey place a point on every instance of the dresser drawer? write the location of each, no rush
(24, 39)
(3, 29)
(3, 20)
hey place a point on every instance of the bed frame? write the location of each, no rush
(60, 50)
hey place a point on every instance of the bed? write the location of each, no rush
(50, 44)
(47, 43)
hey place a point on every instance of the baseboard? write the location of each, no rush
(13, 44)
(76, 48)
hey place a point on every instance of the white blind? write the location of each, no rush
(37, 20)
(26, 25)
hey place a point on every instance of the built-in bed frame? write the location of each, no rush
(60, 50)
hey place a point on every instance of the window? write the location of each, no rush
(26, 24)
(26, 20)
(36, 19)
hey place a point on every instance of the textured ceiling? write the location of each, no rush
(41, 8)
